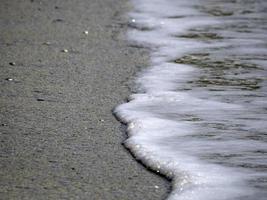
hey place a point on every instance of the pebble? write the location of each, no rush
(47, 43)
(9, 79)
(40, 99)
(65, 50)
(12, 63)
(133, 20)
(58, 20)
(157, 187)
(86, 32)
(102, 120)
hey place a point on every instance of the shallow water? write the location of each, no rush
(199, 115)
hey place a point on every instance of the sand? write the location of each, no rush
(64, 66)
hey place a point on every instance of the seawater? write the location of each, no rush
(199, 116)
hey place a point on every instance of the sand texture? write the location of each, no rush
(59, 84)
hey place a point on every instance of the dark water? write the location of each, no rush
(200, 114)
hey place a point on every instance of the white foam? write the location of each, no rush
(158, 133)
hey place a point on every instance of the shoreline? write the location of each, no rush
(59, 84)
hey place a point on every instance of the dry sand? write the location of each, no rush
(59, 85)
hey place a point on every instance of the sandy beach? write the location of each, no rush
(64, 66)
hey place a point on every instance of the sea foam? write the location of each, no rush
(185, 132)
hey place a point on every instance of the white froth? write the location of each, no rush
(159, 118)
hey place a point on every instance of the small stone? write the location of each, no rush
(157, 187)
(40, 99)
(58, 20)
(65, 50)
(102, 120)
(9, 79)
(3, 124)
(12, 63)
(133, 20)
(47, 43)
(86, 32)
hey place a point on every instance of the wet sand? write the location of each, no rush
(59, 84)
